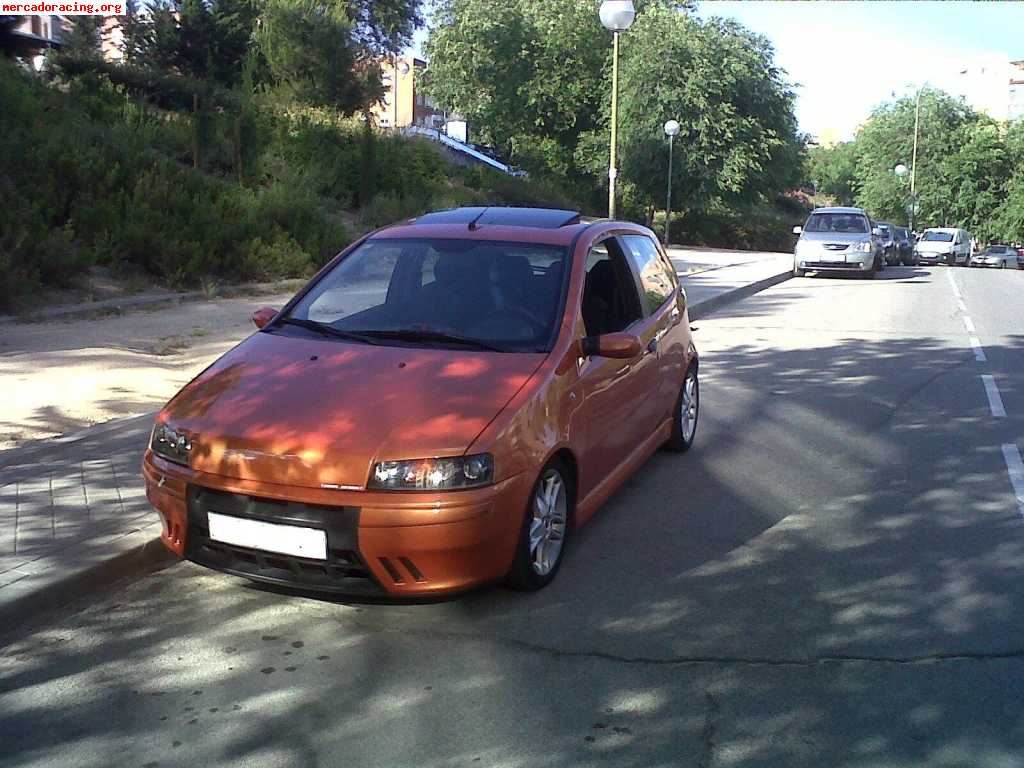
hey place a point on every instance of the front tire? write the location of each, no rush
(545, 531)
(797, 272)
(686, 413)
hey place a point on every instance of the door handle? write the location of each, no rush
(652, 346)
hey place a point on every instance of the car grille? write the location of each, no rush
(832, 265)
(343, 571)
(836, 246)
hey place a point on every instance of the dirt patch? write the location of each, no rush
(60, 376)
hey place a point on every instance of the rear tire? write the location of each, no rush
(544, 535)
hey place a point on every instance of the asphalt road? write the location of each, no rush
(831, 578)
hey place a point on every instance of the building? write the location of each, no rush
(32, 36)
(404, 104)
(992, 84)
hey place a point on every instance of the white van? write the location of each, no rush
(944, 245)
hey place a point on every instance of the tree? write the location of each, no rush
(310, 50)
(738, 139)
(833, 170)
(83, 37)
(384, 26)
(945, 176)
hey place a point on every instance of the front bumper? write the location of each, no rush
(864, 265)
(936, 258)
(379, 543)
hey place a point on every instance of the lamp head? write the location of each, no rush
(617, 15)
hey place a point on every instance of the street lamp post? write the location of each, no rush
(616, 16)
(913, 159)
(671, 130)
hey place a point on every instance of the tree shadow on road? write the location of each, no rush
(831, 577)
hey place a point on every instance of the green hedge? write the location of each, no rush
(96, 170)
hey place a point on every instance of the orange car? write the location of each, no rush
(438, 408)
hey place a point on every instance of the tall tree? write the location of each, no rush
(384, 26)
(309, 48)
(738, 139)
(83, 37)
(833, 170)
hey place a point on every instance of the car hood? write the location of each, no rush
(318, 413)
(933, 246)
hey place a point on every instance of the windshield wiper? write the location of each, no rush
(326, 330)
(414, 334)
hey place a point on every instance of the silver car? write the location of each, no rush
(1001, 256)
(838, 241)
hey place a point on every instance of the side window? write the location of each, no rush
(656, 279)
(610, 300)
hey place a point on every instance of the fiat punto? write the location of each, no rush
(440, 407)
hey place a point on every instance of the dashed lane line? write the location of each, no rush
(969, 325)
(995, 401)
(1015, 468)
(979, 352)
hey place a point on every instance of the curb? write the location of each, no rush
(24, 453)
(704, 308)
(100, 306)
(38, 594)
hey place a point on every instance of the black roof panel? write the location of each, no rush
(540, 218)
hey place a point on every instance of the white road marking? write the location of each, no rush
(995, 401)
(1015, 468)
(960, 305)
(969, 325)
(979, 353)
(952, 282)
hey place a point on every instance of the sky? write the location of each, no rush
(846, 57)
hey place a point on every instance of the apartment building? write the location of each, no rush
(32, 36)
(992, 84)
(404, 104)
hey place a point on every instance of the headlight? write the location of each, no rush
(866, 247)
(433, 474)
(803, 245)
(170, 445)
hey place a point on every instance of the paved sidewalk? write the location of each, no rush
(73, 511)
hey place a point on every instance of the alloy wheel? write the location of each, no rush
(547, 527)
(688, 405)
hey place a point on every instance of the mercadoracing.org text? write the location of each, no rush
(68, 9)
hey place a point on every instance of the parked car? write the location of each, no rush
(905, 246)
(1001, 256)
(440, 407)
(944, 245)
(838, 241)
(887, 239)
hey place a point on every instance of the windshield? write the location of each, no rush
(937, 237)
(845, 223)
(884, 229)
(505, 296)
(996, 250)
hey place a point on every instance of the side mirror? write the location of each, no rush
(619, 346)
(798, 230)
(261, 317)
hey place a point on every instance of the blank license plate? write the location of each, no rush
(270, 537)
